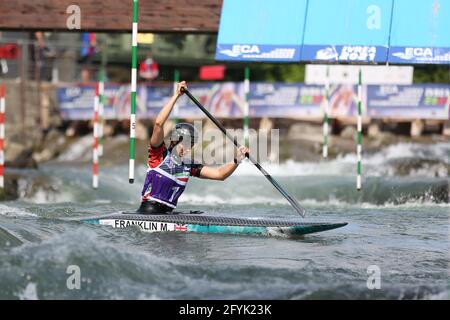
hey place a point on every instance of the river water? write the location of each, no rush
(398, 226)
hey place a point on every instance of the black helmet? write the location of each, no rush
(183, 131)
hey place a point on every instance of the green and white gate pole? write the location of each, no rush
(133, 91)
(246, 104)
(176, 79)
(101, 102)
(325, 115)
(359, 146)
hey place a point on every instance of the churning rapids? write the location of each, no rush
(399, 223)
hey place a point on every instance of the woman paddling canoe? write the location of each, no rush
(169, 168)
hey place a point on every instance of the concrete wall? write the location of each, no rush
(30, 108)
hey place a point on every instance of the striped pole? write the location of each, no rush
(359, 146)
(133, 91)
(326, 120)
(95, 144)
(2, 133)
(101, 97)
(247, 103)
(176, 79)
(447, 105)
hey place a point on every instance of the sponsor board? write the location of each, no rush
(281, 100)
(340, 53)
(253, 52)
(347, 31)
(147, 226)
(225, 99)
(255, 30)
(420, 32)
(349, 74)
(423, 55)
(408, 102)
(76, 102)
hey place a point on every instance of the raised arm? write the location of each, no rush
(158, 133)
(226, 170)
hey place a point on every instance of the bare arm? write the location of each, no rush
(158, 133)
(220, 173)
(226, 170)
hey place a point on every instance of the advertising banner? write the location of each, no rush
(255, 30)
(347, 31)
(408, 102)
(420, 32)
(284, 100)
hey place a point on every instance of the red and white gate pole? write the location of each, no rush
(95, 144)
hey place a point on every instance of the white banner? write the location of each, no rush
(348, 74)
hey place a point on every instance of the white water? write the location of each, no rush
(395, 222)
(376, 164)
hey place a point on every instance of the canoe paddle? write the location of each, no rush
(291, 200)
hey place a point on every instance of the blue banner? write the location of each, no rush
(337, 53)
(408, 102)
(255, 30)
(273, 100)
(279, 100)
(419, 55)
(420, 32)
(253, 52)
(76, 102)
(347, 30)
